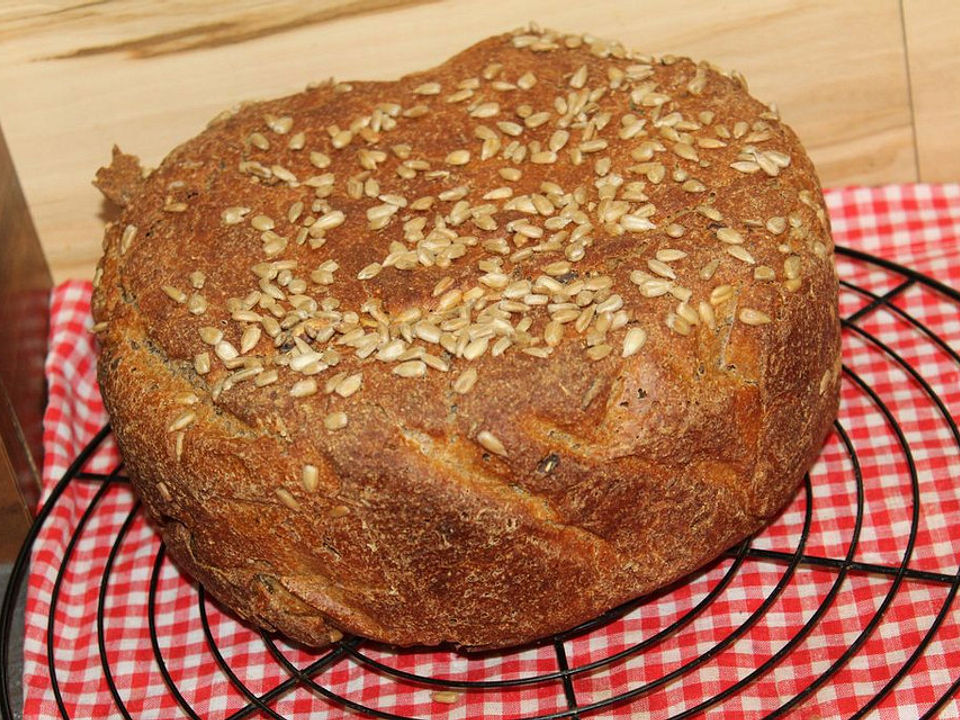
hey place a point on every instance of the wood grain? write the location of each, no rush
(13, 513)
(931, 29)
(189, 26)
(24, 300)
(79, 77)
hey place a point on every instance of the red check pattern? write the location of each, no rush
(741, 638)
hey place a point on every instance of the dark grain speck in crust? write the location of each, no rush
(444, 506)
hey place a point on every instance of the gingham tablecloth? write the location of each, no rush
(800, 624)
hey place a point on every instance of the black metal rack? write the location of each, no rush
(310, 676)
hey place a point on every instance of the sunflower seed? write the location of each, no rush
(776, 224)
(791, 267)
(258, 140)
(304, 388)
(592, 146)
(491, 442)
(748, 316)
(182, 420)
(341, 139)
(287, 499)
(349, 385)
(458, 157)
(210, 335)
(175, 294)
(500, 193)
(262, 222)
(510, 128)
(201, 363)
(635, 223)
(707, 316)
(437, 363)
(129, 233)
(411, 368)
(536, 119)
(447, 697)
(729, 236)
(678, 324)
(225, 351)
(310, 478)
(721, 294)
(707, 271)
(764, 272)
(654, 287)
(670, 255)
(298, 141)
(267, 377)
(741, 253)
(686, 151)
(485, 110)
(611, 304)
(745, 166)
(767, 164)
(460, 95)
(319, 160)
(526, 81)
(688, 313)
(428, 88)
(558, 140)
(280, 125)
(476, 348)
(553, 333)
(598, 352)
(633, 341)
(332, 219)
(370, 271)
(465, 381)
(579, 78)
(661, 269)
(249, 339)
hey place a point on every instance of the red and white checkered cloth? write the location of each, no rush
(797, 626)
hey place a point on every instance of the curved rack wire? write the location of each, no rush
(364, 654)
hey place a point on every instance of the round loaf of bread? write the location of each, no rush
(474, 355)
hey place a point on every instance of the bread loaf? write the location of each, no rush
(474, 355)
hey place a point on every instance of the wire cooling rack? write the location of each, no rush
(846, 560)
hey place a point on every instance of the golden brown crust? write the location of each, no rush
(121, 180)
(583, 466)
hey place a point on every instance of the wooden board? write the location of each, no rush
(77, 77)
(932, 29)
(24, 302)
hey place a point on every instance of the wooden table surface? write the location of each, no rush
(871, 86)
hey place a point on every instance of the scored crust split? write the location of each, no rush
(475, 355)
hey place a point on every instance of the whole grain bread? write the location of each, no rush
(475, 355)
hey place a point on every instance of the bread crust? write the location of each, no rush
(604, 478)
